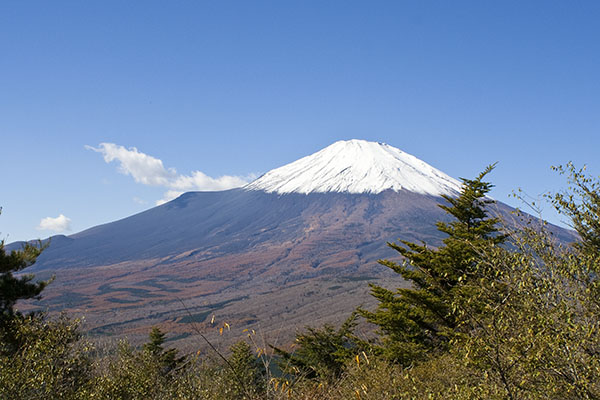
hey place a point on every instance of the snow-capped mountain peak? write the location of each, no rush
(357, 166)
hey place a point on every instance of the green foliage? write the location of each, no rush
(14, 288)
(322, 353)
(489, 316)
(444, 377)
(151, 373)
(535, 329)
(131, 375)
(534, 324)
(167, 359)
(139, 375)
(419, 320)
(52, 362)
(246, 373)
(525, 317)
(581, 203)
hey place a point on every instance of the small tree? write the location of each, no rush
(150, 373)
(322, 353)
(167, 359)
(248, 372)
(420, 319)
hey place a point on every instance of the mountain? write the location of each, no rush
(357, 166)
(296, 246)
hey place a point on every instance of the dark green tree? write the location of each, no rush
(322, 353)
(418, 320)
(167, 359)
(247, 374)
(14, 288)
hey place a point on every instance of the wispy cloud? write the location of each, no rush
(58, 224)
(139, 201)
(149, 170)
(168, 196)
(143, 168)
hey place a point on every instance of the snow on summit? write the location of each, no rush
(357, 166)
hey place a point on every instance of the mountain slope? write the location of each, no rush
(296, 246)
(233, 221)
(252, 258)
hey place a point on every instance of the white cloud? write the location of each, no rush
(168, 196)
(143, 168)
(200, 180)
(149, 170)
(58, 224)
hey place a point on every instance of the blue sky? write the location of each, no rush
(234, 89)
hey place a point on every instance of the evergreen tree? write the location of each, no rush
(13, 289)
(249, 379)
(167, 359)
(322, 353)
(418, 320)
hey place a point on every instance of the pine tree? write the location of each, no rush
(247, 374)
(13, 289)
(167, 359)
(418, 320)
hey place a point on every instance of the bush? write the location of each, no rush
(51, 361)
